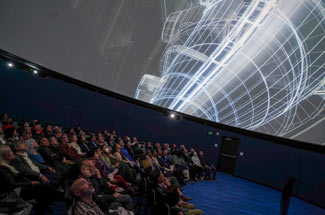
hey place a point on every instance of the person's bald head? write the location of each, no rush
(81, 187)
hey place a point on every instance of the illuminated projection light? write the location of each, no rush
(256, 65)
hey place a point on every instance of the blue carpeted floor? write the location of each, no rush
(231, 195)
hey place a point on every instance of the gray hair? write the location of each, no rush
(30, 143)
(17, 143)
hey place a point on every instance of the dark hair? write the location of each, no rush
(101, 147)
(91, 153)
(36, 122)
(63, 135)
(74, 171)
(154, 175)
(9, 132)
(17, 143)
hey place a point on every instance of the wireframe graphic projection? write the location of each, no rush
(253, 64)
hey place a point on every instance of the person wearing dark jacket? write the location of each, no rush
(50, 158)
(11, 179)
(170, 194)
(83, 144)
(29, 169)
(56, 153)
(67, 150)
(48, 131)
(207, 167)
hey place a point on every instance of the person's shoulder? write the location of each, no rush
(80, 207)
(4, 169)
(17, 157)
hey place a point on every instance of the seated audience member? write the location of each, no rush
(134, 141)
(185, 156)
(166, 146)
(138, 151)
(27, 133)
(99, 135)
(83, 144)
(165, 162)
(147, 163)
(109, 158)
(32, 151)
(93, 142)
(127, 138)
(148, 146)
(128, 173)
(83, 191)
(2, 136)
(48, 131)
(129, 149)
(52, 159)
(101, 141)
(173, 149)
(80, 132)
(37, 131)
(75, 145)
(4, 118)
(55, 153)
(67, 149)
(120, 155)
(27, 167)
(11, 179)
(180, 164)
(157, 146)
(156, 162)
(123, 155)
(105, 195)
(47, 155)
(57, 132)
(168, 172)
(196, 165)
(11, 134)
(206, 167)
(164, 158)
(106, 135)
(71, 132)
(111, 141)
(108, 172)
(8, 123)
(77, 129)
(171, 195)
(114, 134)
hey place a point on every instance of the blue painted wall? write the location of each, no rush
(272, 164)
(26, 96)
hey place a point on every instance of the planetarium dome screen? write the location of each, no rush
(254, 64)
(257, 65)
